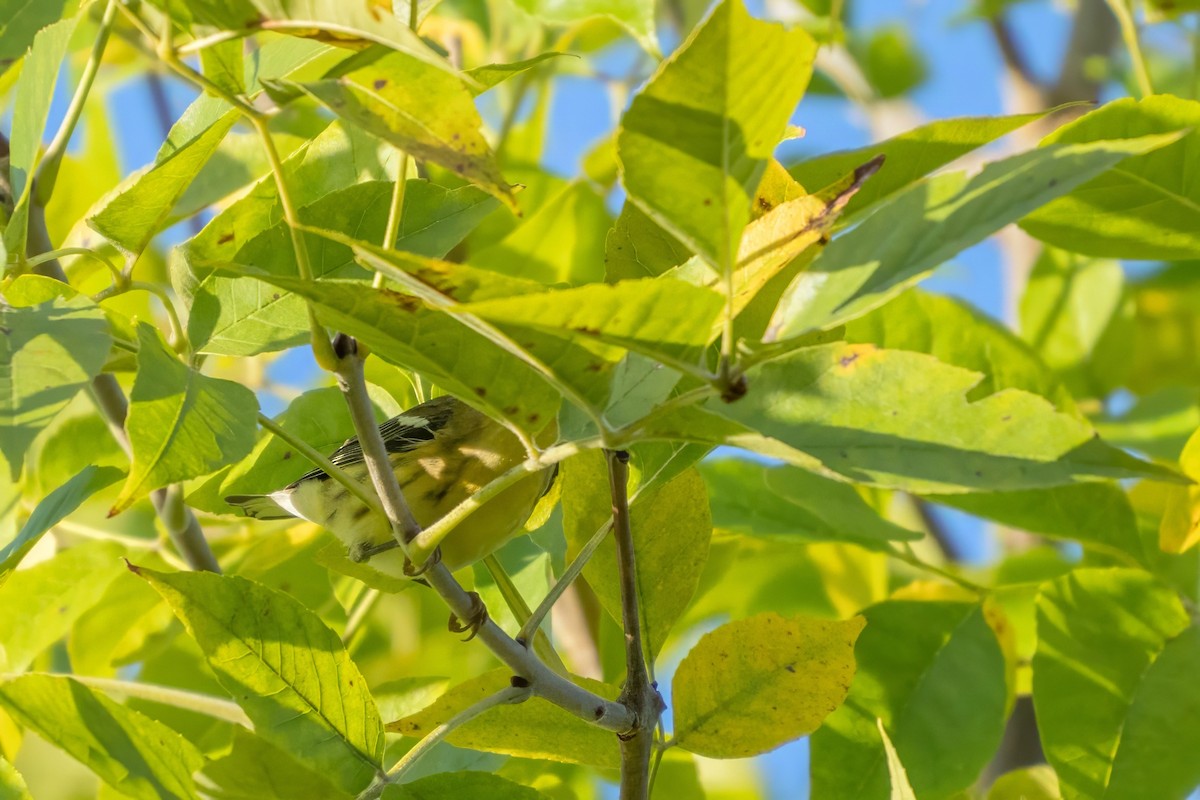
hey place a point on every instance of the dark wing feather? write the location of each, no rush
(400, 435)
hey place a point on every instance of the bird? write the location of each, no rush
(442, 451)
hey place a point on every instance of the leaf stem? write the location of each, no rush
(520, 610)
(359, 613)
(1129, 32)
(638, 693)
(542, 680)
(534, 623)
(395, 212)
(503, 697)
(53, 255)
(209, 706)
(52, 159)
(905, 553)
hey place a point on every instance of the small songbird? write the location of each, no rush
(442, 451)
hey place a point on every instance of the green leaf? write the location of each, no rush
(931, 221)
(12, 785)
(638, 248)
(138, 756)
(30, 110)
(1165, 343)
(865, 413)
(237, 317)
(423, 110)
(533, 729)
(909, 156)
(957, 334)
(1031, 783)
(934, 674)
(637, 16)
(42, 602)
(755, 684)
(353, 25)
(1094, 514)
(792, 504)
(128, 623)
(455, 785)
(223, 64)
(23, 20)
(898, 778)
(181, 424)
(140, 207)
(661, 318)
(1114, 686)
(1145, 207)
(403, 331)
(562, 242)
(255, 769)
(54, 342)
(489, 76)
(671, 529)
(285, 668)
(1075, 314)
(709, 119)
(53, 509)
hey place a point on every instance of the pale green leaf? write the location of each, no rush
(30, 111)
(934, 673)
(1166, 330)
(54, 342)
(55, 507)
(456, 785)
(42, 602)
(138, 756)
(637, 16)
(671, 528)
(563, 242)
(792, 504)
(957, 334)
(1118, 705)
(635, 247)
(890, 60)
(1030, 783)
(927, 223)
(239, 317)
(1075, 314)
(354, 24)
(423, 110)
(12, 785)
(181, 424)
(662, 318)
(709, 119)
(490, 76)
(1179, 530)
(139, 208)
(402, 330)
(903, 420)
(755, 684)
(21, 20)
(533, 729)
(255, 769)
(223, 63)
(1146, 207)
(127, 624)
(285, 668)
(901, 789)
(909, 157)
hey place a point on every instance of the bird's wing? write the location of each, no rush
(401, 434)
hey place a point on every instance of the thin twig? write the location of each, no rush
(542, 680)
(1129, 33)
(209, 706)
(638, 694)
(534, 623)
(905, 553)
(503, 697)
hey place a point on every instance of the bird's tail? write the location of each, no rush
(259, 506)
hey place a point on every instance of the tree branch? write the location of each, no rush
(639, 695)
(542, 680)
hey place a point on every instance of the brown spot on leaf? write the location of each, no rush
(380, 83)
(846, 361)
(226, 239)
(481, 391)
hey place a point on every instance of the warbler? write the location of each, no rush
(442, 451)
